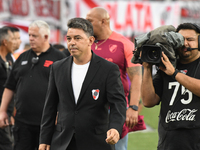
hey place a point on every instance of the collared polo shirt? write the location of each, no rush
(30, 81)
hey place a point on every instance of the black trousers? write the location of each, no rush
(5, 139)
(26, 137)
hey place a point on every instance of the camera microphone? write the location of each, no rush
(190, 49)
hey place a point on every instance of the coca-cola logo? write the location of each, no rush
(183, 115)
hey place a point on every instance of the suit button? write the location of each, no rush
(76, 112)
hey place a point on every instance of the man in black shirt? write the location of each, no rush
(6, 44)
(178, 91)
(29, 80)
(11, 59)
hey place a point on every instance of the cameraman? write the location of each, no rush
(178, 90)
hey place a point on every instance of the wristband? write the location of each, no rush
(174, 74)
(134, 107)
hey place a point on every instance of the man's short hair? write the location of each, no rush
(81, 23)
(12, 29)
(43, 27)
(190, 26)
(58, 46)
(4, 34)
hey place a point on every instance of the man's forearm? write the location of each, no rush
(189, 83)
(6, 99)
(135, 76)
(149, 97)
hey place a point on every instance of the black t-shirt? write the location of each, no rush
(10, 60)
(30, 81)
(179, 106)
(3, 76)
(4, 71)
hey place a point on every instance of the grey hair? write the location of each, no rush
(4, 34)
(43, 27)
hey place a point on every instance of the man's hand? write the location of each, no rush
(131, 118)
(44, 147)
(3, 119)
(112, 136)
(147, 65)
(169, 68)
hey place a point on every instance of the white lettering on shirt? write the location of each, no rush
(185, 114)
(24, 62)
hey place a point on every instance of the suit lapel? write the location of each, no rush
(92, 70)
(68, 78)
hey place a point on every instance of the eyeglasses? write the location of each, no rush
(35, 60)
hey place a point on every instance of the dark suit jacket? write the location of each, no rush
(89, 118)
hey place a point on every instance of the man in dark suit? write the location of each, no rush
(82, 87)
